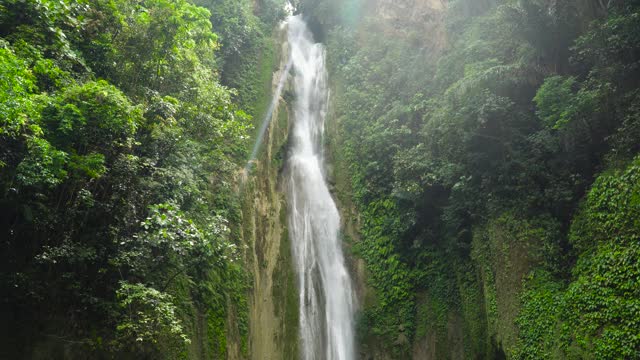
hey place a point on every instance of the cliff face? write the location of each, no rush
(408, 13)
(399, 17)
(272, 299)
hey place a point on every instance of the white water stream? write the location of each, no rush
(325, 290)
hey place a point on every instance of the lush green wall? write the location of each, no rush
(468, 166)
(119, 147)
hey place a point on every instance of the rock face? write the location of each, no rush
(400, 15)
(273, 305)
(408, 11)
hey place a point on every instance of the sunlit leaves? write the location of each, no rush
(164, 46)
(91, 165)
(49, 26)
(560, 101)
(150, 315)
(553, 100)
(177, 241)
(44, 166)
(95, 116)
(16, 85)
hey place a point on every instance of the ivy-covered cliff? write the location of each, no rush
(484, 153)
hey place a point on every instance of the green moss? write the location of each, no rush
(285, 293)
(279, 157)
(266, 66)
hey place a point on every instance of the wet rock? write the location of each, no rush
(401, 340)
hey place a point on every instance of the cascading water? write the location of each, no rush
(325, 291)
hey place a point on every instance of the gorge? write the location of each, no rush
(365, 179)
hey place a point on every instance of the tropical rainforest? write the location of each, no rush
(484, 155)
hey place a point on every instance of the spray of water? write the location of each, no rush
(274, 102)
(267, 117)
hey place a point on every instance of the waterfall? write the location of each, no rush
(325, 290)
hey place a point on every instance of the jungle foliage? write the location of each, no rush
(118, 147)
(476, 171)
(497, 177)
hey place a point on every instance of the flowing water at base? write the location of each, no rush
(325, 290)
